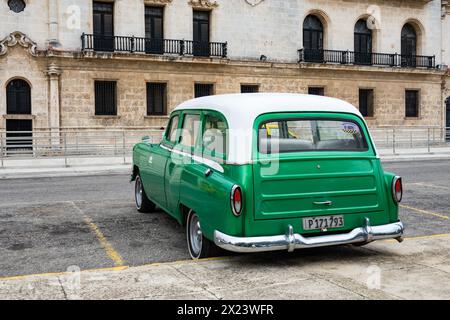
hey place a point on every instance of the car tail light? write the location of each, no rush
(236, 200)
(397, 189)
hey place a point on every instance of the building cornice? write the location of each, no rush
(158, 2)
(18, 38)
(203, 4)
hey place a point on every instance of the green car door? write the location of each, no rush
(154, 168)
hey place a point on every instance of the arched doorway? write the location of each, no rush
(313, 39)
(363, 43)
(409, 46)
(18, 103)
(447, 119)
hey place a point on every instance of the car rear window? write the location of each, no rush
(295, 135)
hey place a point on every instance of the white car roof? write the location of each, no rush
(241, 110)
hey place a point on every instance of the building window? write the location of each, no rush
(366, 102)
(363, 43)
(156, 99)
(154, 32)
(203, 89)
(313, 39)
(411, 103)
(105, 98)
(249, 88)
(408, 46)
(318, 91)
(201, 33)
(16, 5)
(18, 97)
(103, 26)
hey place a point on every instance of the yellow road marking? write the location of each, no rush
(57, 274)
(110, 251)
(120, 268)
(426, 212)
(443, 235)
(429, 185)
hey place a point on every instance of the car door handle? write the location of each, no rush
(208, 172)
(323, 203)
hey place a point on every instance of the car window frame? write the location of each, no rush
(193, 149)
(166, 142)
(280, 116)
(206, 153)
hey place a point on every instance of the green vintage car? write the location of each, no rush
(262, 172)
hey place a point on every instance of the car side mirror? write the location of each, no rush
(145, 139)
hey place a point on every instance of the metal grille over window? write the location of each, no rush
(317, 91)
(249, 88)
(156, 99)
(366, 102)
(412, 103)
(16, 5)
(203, 89)
(105, 98)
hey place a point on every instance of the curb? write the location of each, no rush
(64, 172)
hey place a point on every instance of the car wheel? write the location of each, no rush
(143, 204)
(199, 246)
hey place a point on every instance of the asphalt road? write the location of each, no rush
(50, 224)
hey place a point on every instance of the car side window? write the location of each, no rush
(214, 139)
(190, 130)
(171, 135)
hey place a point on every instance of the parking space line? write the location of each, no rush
(426, 212)
(110, 251)
(428, 185)
(178, 262)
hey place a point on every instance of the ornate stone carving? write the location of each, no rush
(203, 4)
(254, 2)
(160, 2)
(15, 38)
(53, 70)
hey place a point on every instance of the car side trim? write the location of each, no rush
(208, 162)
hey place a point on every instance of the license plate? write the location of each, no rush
(323, 222)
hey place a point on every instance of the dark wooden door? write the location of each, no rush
(409, 46)
(18, 97)
(313, 39)
(154, 34)
(103, 26)
(363, 43)
(201, 34)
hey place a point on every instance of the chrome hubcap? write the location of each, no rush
(138, 192)
(195, 235)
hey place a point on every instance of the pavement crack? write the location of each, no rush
(194, 281)
(62, 288)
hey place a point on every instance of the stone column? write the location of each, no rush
(53, 27)
(53, 73)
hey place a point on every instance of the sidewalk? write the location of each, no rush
(57, 167)
(418, 268)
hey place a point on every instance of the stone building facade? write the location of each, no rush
(57, 49)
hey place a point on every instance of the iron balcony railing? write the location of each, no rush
(363, 58)
(91, 42)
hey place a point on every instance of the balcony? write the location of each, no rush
(366, 59)
(90, 42)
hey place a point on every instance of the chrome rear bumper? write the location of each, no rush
(291, 241)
